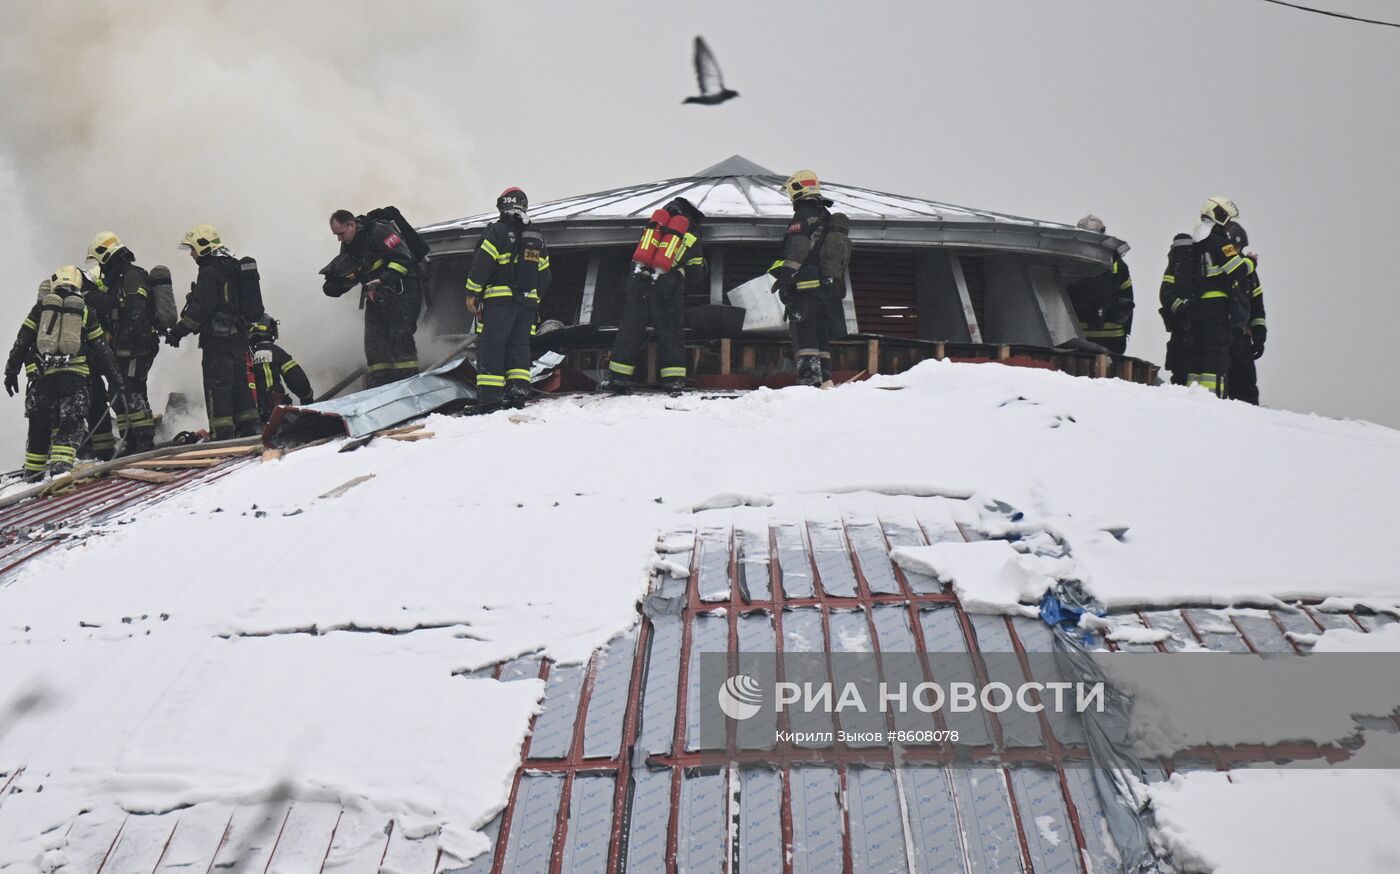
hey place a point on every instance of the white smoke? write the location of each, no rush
(145, 117)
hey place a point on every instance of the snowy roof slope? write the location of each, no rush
(274, 635)
(740, 188)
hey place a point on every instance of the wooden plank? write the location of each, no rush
(273, 454)
(413, 437)
(145, 476)
(1003, 352)
(940, 351)
(404, 429)
(347, 486)
(726, 348)
(178, 464)
(872, 356)
(1101, 364)
(219, 452)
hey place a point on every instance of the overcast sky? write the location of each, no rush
(262, 117)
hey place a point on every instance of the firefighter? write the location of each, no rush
(100, 442)
(276, 374)
(214, 310)
(1248, 330)
(1175, 282)
(655, 295)
(391, 283)
(1219, 268)
(57, 345)
(1104, 303)
(798, 282)
(509, 272)
(133, 335)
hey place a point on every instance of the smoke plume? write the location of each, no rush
(145, 117)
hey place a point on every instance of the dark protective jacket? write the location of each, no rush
(276, 374)
(131, 320)
(1218, 269)
(211, 308)
(511, 260)
(1104, 303)
(797, 265)
(1180, 281)
(94, 349)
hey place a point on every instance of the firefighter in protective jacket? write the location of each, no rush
(1218, 270)
(134, 339)
(1248, 329)
(798, 281)
(509, 273)
(276, 374)
(1104, 303)
(668, 261)
(56, 346)
(391, 284)
(1178, 281)
(213, 311)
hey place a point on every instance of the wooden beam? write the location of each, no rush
(218, 452)
(940, 351)
(177, 463)
(1003, 352)
(411, 437)
(1101, 364)
(726, 348)
(145, 476)
(872, 356)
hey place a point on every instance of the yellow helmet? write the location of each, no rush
(1221, 210)
(104, 246)
(201, 240)
(70, 276)
(802, 184)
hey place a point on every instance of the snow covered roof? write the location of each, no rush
(737, 188)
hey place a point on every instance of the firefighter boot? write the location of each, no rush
(616, 383)
(673, 384)
(516, 395)
(809, 370)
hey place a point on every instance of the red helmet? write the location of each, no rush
(513, 200)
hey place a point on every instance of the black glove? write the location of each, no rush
(1259, 334)
(12, 382)
(116, 385)
(176, 334)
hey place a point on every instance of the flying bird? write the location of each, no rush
(712, 90)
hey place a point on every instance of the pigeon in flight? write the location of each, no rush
(712, 90)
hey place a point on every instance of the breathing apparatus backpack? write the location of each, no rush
(664, 241)
(417, 246)
(60, 332)
(165, 312)
(834, 251)
(250, 302)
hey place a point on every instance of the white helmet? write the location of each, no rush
(1091, 222)
(1221, 210)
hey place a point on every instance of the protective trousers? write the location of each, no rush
(809, 320)
(391, 317)
(1116, 345)
(1243, 382)
(1208, 356)
(503, 353)
(228, 399)
(57, 407)
(100, 441)
(660, 302)
(132, 404)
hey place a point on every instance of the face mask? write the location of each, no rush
(1203, 230)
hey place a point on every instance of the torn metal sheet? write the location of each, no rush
(755, 577)
(384, 406)
(793, 560)
(663, 668)
(713, 565)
